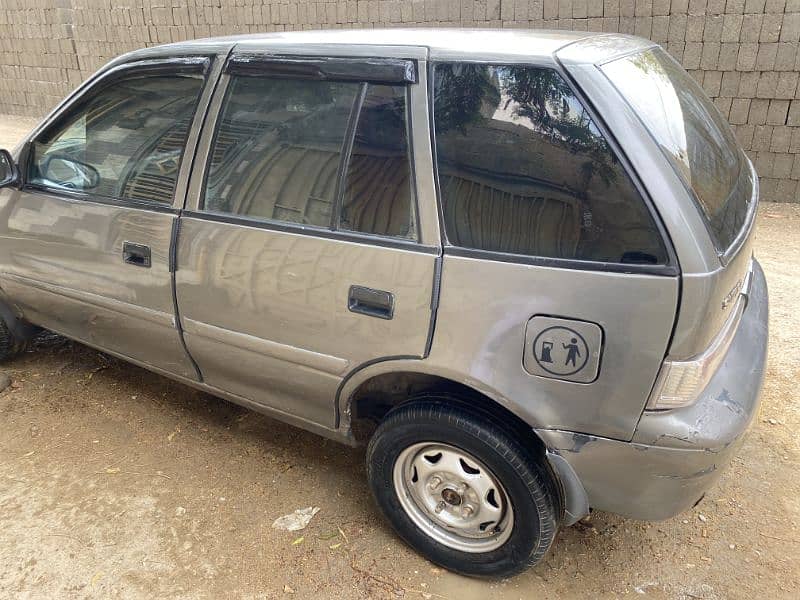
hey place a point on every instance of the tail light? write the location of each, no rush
(680, 383)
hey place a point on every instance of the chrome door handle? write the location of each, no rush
(373, 303)
(137, 255)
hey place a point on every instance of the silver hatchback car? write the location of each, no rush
(517, 264)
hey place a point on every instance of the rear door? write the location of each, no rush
(301, 255)
(85, 246)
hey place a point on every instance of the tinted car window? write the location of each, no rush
(378, 191)
(277, 149)
(523, 169)
(125, 141)
(692, 134)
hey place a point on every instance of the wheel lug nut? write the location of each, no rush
(466, 511)
(434, 482)
(440, 506)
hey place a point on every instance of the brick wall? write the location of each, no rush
(744, 52)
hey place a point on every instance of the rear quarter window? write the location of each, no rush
(523, 169)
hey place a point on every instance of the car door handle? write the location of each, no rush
(137, 255)
(373, 303)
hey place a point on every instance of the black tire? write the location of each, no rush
(528, 481)
(10, 346)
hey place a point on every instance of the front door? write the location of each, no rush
(302, 258)
(85, 245)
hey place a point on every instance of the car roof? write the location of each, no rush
(435, 43)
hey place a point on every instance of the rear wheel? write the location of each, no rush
(461, 490)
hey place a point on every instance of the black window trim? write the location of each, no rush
(179, 65)
(670, 269)
(563, 263)
(332, 231)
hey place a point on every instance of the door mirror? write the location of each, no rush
(8, 170)
(66, 172)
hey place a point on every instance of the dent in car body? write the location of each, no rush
(676, 455)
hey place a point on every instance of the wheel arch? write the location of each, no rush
(376, 389)
(372, 392)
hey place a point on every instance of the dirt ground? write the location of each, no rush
(118, 483)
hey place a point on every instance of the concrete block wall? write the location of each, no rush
(743, 52)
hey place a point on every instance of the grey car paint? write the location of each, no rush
(606, 453)
(636, 323)
(62, 266)
(274, 302)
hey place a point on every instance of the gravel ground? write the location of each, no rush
(118, 483)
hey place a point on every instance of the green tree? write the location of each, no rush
(461, 90)
(465, 93)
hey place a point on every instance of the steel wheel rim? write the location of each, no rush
(453, 497)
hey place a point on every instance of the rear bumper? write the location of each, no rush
(675, 456)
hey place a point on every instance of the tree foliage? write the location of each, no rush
(469, 94)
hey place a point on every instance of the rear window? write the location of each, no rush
(523, 169)
(692, 134)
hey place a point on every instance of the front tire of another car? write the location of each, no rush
(461, 489)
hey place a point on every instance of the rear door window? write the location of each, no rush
(523, 169)
(328, 154)
(278, 147)
(693, 135)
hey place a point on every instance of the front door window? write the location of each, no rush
(124, 141)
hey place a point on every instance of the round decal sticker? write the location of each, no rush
(560, 351)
